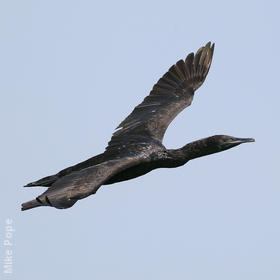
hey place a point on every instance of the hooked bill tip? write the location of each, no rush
(245, 140)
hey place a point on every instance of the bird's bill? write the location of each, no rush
(241, 140)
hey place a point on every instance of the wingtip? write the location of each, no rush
(207, 46)
(210, 46)
(209, 43)
(28, 185)
(198, 65)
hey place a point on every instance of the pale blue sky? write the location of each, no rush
(71, 71)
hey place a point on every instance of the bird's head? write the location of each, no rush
(225, 142)
(212, 145)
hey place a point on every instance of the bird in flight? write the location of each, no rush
(136, 146)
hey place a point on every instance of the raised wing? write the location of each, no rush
(169, 96)
(65, 192)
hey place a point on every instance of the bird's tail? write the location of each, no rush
(30, 204)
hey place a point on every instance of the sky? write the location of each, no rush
(71, 71)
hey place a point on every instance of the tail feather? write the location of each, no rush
(30, 204)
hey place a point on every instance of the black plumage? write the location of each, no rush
(136, 146)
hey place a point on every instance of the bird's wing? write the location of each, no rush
(169, 96)
(65, 192)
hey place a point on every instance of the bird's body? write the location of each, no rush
(136, 147)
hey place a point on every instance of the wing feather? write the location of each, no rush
(65, 192)
(169, 96)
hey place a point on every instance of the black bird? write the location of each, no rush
(136, 146)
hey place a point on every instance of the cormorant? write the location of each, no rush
(136, 146)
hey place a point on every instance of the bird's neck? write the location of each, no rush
(199, 148)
